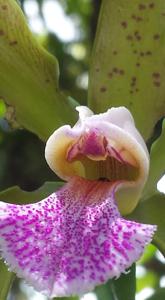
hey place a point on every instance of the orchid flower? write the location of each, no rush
(76, 238)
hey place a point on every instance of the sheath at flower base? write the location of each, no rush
(76, 238)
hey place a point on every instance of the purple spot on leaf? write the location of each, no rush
(115, 70)
(157, 83)
(138, 64)
(156, 36)
(121, 72)
(148, 53)
(13, 43)
(4, 7)
(151, 5)
(156, 75)
(103, 89)
(142, 6)
(110, 74)
(129, 37)
(124, 24)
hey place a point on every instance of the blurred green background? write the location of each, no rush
(67, 29)
(22, 153)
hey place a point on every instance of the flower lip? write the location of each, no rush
(71, 241)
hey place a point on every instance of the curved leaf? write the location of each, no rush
(120, 289)
(29, 76)
(18, 196)
(157, 164)
(104, 292)
(127, 65)
(125, 286)
(152, 211)
(6, 279)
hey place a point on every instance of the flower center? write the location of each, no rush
(102, 159)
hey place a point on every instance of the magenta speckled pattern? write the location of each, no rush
(71, 241)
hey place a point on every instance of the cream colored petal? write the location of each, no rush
(59, 142)
(117, 125)
(56, 152)
(84, 112)
(122, 118)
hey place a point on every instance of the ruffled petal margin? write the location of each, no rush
(71, 241)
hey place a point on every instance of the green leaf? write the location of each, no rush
(66, 298)
(127, 64)
(120, 289)
(29, 77)
(148, 254)
(159, 295)
(6, 279)
(152, 211)
(104, 292)
(2, 109)
(125, 286)
(150, 279)
(18, 196)
(157, 164)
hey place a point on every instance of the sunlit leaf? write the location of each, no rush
(150, 279)
(66, 298)
(18, 196)
(29, 77)
(127, 65)
(159, 295)
(157, 165)
(2, 109)
(152, 211)
(148, 254)
(6, 279)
